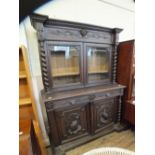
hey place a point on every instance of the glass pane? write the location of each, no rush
(65, 64)
(98, 63)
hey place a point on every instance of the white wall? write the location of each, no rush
(108, 13)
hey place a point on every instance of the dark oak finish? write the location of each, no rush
(49, 30)
(81, 111)
(125, 76)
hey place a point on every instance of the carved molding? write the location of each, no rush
(44, 67)
(63, 32)
(114, 66)
(99, 35)
(77, 34)
(114, 53)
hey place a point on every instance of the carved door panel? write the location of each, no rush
(72, 122)
(105, 113)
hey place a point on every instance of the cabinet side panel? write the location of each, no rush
(53, 128)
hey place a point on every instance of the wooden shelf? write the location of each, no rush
(22, 74)
(77, 73)
(25, 101)
(65, 74)
(24, 91)
(97, 72)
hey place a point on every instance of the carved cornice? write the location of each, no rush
(49, 21)
(37, 18)
(117, 30)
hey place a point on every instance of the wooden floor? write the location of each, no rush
(124, 139)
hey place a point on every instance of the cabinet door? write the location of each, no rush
(65, 63)
(104, 112)
(72, 122)
(98, 63)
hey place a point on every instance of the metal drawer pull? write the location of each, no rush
(107, 94)
(72, 102)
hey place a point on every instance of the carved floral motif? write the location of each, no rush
(104, 114)
(78, 34)
(73, 125)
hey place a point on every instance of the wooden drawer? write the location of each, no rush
(75, 34)
(108, 94)
(59, 104)
(104, 113)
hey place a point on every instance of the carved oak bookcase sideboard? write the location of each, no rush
(81, 97)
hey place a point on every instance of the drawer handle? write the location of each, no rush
(107, 94)
(91, 97)
(72, 102)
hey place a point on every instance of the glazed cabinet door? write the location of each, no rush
(65, 64)
(98, 63)
(104, 113)
(72, 122)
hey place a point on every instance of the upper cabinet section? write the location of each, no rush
(75, 55)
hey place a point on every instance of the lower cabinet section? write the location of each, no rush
(70, 122)
(78, 119)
